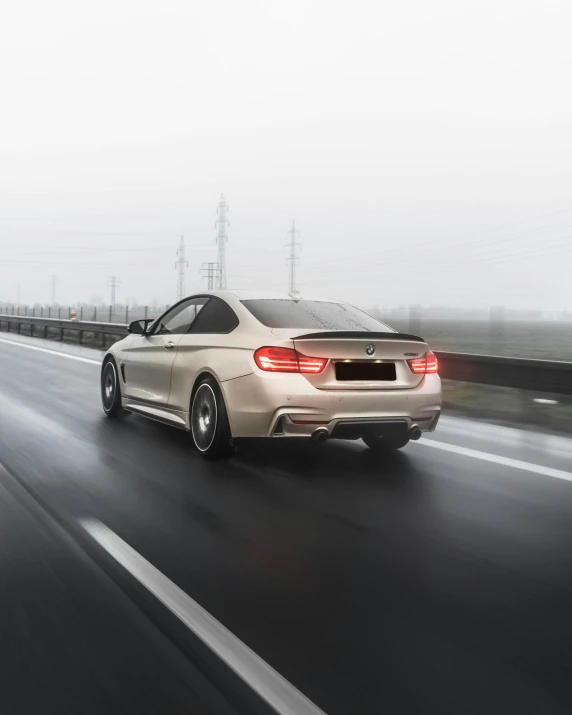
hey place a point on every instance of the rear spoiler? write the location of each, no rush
(358, 334)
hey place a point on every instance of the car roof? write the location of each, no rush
(266, 295)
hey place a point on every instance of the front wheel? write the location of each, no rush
(385, 446)
(209, 421)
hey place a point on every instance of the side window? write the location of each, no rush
(215, 317)
(178, 321)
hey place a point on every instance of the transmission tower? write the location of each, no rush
(54, 283)
(181, 265)
(293, 258)
(211, 273)
(113, 282)
(221, 239)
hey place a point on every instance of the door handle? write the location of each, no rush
(169, 346)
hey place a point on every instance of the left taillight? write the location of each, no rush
(426, 365)
(287, 360)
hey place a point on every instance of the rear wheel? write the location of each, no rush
(385, 446)
(209, 421)
(110, 390)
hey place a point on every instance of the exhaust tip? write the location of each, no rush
(320, 435)
(414, 432)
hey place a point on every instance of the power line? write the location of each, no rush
(76, 263)
(416, 249)
(491, 261)
(477, 257)
(84, 231)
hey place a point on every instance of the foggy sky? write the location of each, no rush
(424, 149)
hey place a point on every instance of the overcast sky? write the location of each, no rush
(424, 148)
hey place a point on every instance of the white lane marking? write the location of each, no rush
(262, 678)
(51, 352)
(497, 459)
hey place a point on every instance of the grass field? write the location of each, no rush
(544, 340)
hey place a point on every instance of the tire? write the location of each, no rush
(110, 389)
(210, 427)
(385, 446)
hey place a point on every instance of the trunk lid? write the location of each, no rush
(367, 361)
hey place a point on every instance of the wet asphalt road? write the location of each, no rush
(428, 582)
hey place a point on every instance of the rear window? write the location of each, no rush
(317, 314)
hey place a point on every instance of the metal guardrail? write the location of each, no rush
(61, 326)
(522, 373)
(537, 375)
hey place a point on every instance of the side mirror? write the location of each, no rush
(139, 327)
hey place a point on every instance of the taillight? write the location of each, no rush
(276, 359)
(311, 364)
(287, 360)
(426, 365)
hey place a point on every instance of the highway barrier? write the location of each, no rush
(524, 374)
(549, 376)
(14, 323)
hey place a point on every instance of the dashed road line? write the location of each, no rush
(51, 352)
(497, 459)
(261, 677)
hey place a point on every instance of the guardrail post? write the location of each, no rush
(81, 313)
(95, 313)
(110, 313)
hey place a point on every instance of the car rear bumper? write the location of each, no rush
(283, 405)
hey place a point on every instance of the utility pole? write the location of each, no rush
(54, 283)
(293, 257)
(221, 239)
(211, 273)
(181, 265)
(113, 282)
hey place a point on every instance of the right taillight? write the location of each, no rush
(426, 365)
(287, 360)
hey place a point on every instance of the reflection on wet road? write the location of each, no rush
(430, 581)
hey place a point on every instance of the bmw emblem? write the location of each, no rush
(370, 349)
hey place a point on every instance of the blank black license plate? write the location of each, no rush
(365, 371)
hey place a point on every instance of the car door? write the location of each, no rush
(205, 348)
(150, 357)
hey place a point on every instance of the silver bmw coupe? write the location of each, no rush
(227, 365)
